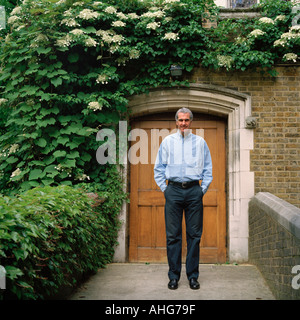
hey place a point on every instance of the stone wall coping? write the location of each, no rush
(239, 13)
(283, 212)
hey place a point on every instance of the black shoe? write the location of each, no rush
(173, 284)
(194, 284)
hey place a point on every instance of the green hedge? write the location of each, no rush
(50, 236)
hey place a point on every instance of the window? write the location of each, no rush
(242, 3)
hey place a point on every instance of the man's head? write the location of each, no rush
(184, 117)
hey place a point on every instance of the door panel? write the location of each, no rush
(147, 241)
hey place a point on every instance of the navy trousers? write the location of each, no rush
(188, 200)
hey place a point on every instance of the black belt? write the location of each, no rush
(186, 184)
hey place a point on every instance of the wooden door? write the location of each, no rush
(147, 236)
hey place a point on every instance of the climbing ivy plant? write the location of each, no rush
(273, 37)
(68, 68)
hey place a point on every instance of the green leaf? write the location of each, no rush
(36, 163)
(45, 112)
(36, 174)
(66, 183)
(70, 163)
(45, 123)
(41, 50)
(12, 160)
(72, 128)
(59, 153)
(89, 29)
(73, 154)
(33, 183)
(86, 156)
(73, 57)
(65, 119)
(41, 142)
(72, 145)
(56, 81)
(63, 140)
(13, 272)
(47, 182)
(51, 168)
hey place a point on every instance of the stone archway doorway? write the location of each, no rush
(233, 106)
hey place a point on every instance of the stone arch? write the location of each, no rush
(236, 107)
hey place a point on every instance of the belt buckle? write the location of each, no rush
(184, 185)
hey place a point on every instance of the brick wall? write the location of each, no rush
(276, 104)
(274, 243)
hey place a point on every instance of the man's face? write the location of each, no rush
(183, 123)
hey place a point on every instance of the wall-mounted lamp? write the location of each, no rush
(176, 71)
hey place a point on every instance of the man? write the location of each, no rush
(183, 159)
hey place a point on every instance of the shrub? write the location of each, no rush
(50, 236)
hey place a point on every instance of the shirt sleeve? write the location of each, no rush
(207, 169)
(160, 169)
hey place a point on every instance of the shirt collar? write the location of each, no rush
(186, 135)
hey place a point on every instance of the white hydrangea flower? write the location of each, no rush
(134, 54)
(88, 14)
(94, 105)
(77, 32)
(13, 19)
(64, 42)
(117, 39)
(14, 148)
(110, 10)
(90, 42)
(16, 10)
(78, 4)
(280, 43)
(70, 22)
(133, 16)
(290, 57)
(41, 38)
(256, 33)
(16, 173)
(20, 27)
(170, 1)
(59, 167)
(118, 23)
(224, 61)
(102, 78)
(153, 25)
(289, 35)
(114, 48)
(171, 36)
(2, 101)
(266, 20)
(68, 13)
(168, 19)
(106, 35)
(121, 16)
(107, 38)
(280, 18)
(155, 14)
(295, 28)
(82, 177)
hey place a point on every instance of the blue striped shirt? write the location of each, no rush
(183, 158)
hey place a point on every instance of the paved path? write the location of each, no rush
(126, 281)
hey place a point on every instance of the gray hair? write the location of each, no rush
(184, 110)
